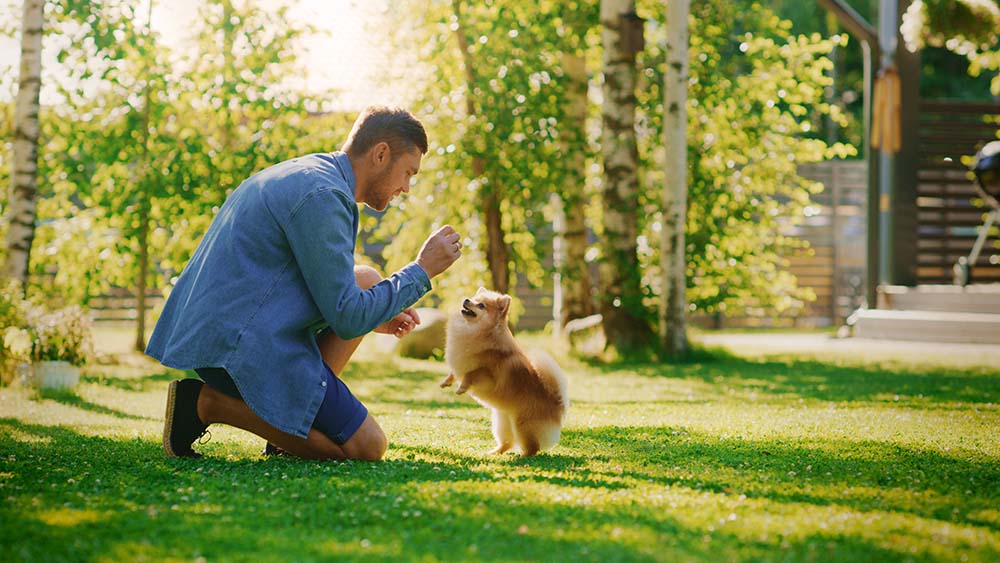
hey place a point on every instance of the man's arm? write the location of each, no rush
(320, 233)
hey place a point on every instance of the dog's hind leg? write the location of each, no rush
(502, 432)
(526, 437)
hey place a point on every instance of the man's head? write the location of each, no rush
(385, 147)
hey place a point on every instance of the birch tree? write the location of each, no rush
(572, 297)
(673, 302)
(142, 195)
(24, 176)
(625, 320)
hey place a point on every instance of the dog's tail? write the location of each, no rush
(552, 376)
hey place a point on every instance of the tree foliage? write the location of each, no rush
(145, 133)
(970, 28)
(755, 104)
(149, 136)
(518, 88)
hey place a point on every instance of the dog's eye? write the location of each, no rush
(481, 306)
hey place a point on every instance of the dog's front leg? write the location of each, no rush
(470, 379)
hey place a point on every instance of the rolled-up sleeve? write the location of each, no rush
(322, 235)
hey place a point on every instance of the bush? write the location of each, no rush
(32, 332)
(60, 334)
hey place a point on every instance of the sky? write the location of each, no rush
(345, 58)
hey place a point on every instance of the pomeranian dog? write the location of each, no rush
(527, 397)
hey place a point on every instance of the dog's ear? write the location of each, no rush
(503, 305)
(481, 290)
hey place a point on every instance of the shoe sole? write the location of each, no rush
(168, 419)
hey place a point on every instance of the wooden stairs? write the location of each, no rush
(932, 313)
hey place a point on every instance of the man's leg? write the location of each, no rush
(337, 351)
(367, 443)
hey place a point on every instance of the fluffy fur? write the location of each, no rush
(527, 396)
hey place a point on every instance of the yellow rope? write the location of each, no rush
(885, 112)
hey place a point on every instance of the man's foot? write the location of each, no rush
(181, 425)
(272, 450)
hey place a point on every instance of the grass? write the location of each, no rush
(777, 458)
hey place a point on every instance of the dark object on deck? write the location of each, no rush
(987, 171)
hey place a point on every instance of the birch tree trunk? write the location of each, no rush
(142, 189)
(24, 176)
(673, 302)
(572, 296)
(497, 254)
(621, 289)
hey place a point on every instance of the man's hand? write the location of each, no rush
(440, 251)
(400, 325)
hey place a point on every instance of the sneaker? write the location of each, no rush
(181, 425)
(272, 450)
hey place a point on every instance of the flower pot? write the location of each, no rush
(55, 375)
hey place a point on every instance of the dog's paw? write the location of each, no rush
(446, 382)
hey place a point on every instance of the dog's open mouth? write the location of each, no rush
(467, 312)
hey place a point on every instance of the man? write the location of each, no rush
(271, 306)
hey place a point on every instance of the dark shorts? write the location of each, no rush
(340, 414)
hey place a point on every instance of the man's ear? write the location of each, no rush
(381, 153)
(504, 304)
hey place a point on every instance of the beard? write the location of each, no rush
(379, 199)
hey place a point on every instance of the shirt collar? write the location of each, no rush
(344, 165)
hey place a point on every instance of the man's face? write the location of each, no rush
(393, 179)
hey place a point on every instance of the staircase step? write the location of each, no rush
(981, 298)
(927, 326)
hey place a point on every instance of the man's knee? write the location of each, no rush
(366, 276)
(368, 443)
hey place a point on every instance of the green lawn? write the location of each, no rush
(773, 458)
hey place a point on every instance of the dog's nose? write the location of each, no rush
(467, 304)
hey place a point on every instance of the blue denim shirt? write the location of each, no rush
(276, 265)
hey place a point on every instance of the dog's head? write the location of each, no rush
(486, 308)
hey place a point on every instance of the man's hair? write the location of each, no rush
(394, 126)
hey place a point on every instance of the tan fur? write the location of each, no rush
(527, 396)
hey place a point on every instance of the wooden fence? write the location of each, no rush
(836, 231)
(949, 212)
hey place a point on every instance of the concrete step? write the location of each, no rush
(927, 326)
(983, 298)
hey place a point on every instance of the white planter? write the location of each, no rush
(55, 375)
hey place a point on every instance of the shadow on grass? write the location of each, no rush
(137, 383)
(70, 398)
(824, 381)
(865, 476)
(70, 496)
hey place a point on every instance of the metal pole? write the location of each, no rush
(871, 264)
(888, 18)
